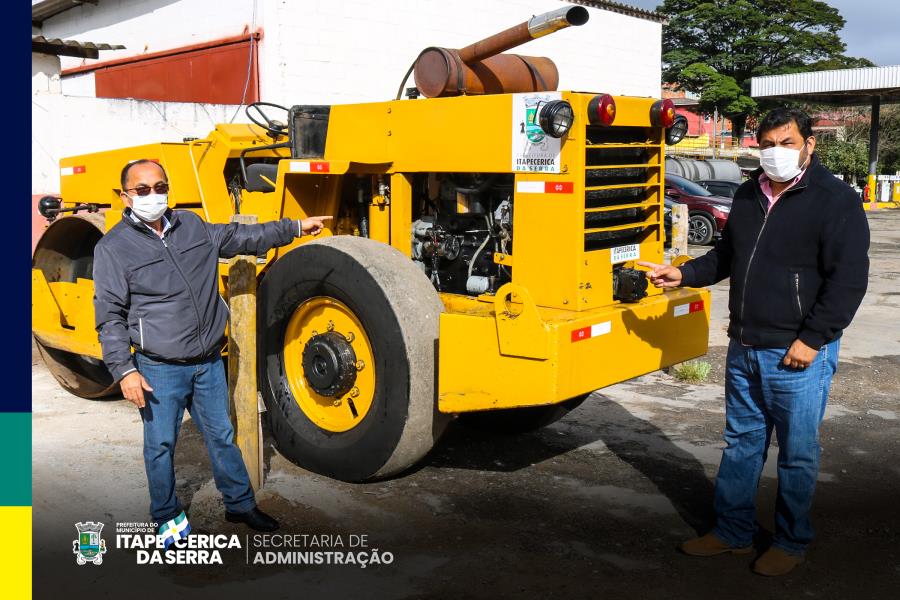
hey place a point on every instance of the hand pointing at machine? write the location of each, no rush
(313, 225)
(662, 276)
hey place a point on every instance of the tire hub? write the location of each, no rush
(329, 364)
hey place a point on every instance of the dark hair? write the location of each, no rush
(124, 177)
(782, 116)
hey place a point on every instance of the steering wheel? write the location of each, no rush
(275, 128)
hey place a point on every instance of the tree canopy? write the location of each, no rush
(714, 47)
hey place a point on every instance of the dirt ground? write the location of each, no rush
(590, 507)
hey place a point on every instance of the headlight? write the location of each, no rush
(677, 131)
(555, 118)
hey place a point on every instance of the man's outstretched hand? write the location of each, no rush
(133, 386)
(662, 276)
(313, 225)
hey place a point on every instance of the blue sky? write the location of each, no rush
(872, 30)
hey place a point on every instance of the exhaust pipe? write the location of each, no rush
(480, 68)
(531, 29)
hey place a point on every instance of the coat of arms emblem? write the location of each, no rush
(89, 547)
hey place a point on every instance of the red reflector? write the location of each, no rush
(581, 334)
(662, 113)
(696, 306)
(559, 187)
(319, 167)
(77, 170)
(602, 110)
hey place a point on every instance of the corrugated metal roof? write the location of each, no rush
(41, 11)
(623, 9)
(60, 47)
(843, 86)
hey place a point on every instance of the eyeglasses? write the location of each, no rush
(144, 190)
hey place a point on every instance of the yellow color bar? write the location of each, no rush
(15, 553)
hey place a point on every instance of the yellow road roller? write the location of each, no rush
(481, 263)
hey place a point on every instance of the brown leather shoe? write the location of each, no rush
(710, 545)
(775, 562)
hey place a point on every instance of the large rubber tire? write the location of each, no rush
(399, 311)
(702, 229)
(80, 375)
(513, 421)
(65, 252)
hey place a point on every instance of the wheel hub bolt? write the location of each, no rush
(337, 402)
(360, 365)
(350, 337)
(330, 325)
(354, 392)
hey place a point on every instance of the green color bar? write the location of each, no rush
(15, 456)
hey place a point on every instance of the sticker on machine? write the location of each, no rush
(592, 331)
(309, 167)
(624, 253)
(685, 309)
(533, 151)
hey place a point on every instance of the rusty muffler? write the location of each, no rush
(479, 68)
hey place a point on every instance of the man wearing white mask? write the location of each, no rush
(796, 250)
(156, 290)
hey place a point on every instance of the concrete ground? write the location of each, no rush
(590, 507)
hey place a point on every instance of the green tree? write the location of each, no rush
(889, 140)
(738, 39)
(849, 155)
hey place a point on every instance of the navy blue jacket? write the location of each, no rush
(799, 271)
(161, 295)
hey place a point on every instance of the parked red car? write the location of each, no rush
(708, 212)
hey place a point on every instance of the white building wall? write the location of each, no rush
(64, 126)
(145, 26)
(311, 52)
(358, 50)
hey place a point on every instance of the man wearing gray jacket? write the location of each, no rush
(156, 290)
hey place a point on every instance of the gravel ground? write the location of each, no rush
(592, 506)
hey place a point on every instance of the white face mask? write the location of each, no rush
(779, 163)
(149, 208)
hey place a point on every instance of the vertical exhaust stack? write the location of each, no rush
(480, 68)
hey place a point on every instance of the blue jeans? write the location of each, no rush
(761, 394)
(203, 390)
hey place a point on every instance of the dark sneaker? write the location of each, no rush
(254, 519)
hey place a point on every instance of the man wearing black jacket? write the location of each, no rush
(156, 290)
(796, 250)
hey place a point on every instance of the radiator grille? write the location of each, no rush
(621, 164)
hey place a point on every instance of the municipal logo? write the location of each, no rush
(89, 547)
